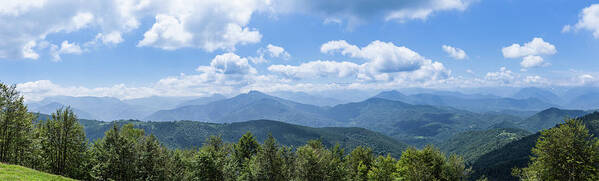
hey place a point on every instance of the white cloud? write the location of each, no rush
(531, 52)
(271, 51)
(385, 62)
(383, 57)
(455, 53)
(167, 33)
(504, 76)
(533, 61)
(277, 51)
(316, 69)
(230, 63)
(111, 38)
(535, 47)
(205, 24)
(358, 12)
(65, 48)
(28, 51)
(589, 20)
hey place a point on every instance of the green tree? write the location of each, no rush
(153, 160)
(430, 164)
(16, 128)
(566, 152)
(337, 168)
(359, 156)
(312, 162)
(246, 147)
(268, 163)
(210, 160)
(116, 156)
(64, 145)
(383, 169)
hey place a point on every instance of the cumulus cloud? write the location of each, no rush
(504, 76)
(535, 47)
(588, 20)
(65, 48)
(230, 63)
(205, 24)
(317, 68)
(271, 51)
(455, 53)
(358, 12)
(533, 61)
(531, 52)
(383, 57)
(385, 62)
(277, 51)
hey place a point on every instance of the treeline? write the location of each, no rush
(58, 145)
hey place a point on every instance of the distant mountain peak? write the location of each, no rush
(391, 92)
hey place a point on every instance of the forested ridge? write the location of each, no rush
(135, 150)
(58, 145)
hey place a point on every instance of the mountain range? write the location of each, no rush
(414, 124)
(193, 134)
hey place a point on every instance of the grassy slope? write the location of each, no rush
(15, 172)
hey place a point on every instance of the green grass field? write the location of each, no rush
(15, 172)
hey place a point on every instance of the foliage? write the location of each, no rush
(430, 164)
(498, 164)
(566, 152)
(15, 128)
(63, 144)
(192, 134)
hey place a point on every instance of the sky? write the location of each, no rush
(139, 48)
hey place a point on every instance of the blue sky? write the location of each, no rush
(138, 48)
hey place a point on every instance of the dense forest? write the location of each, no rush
(129, 150)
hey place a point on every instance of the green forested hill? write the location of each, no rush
(549, 118)
(472, 144)
(497, 164)
(20, 173)
(192, 134)
(414, 124)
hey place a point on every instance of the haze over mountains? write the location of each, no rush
(522, 103)
(491, 132)
(416, 119)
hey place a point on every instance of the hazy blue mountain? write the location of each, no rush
(477, 103)
(413, 124)
(158, 102)
(582, 98)
(101, 108)
(538, 93)
(251, 106)
(305, 98)
(394, 96)
(549, 118)
(53, 106)
(200, 101)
